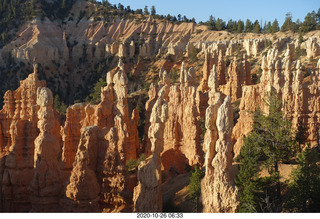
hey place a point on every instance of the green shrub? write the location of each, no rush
(133, 164)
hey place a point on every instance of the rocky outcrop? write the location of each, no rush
(284, 78)
(239, 76)
(112, 174)
(18, 128)
(218, 191)
(46, 184)
(221, 69)
(34, 160)
(254, 46)
(312, 48)
(182, 130)
(147, 195)
(153, 96)
(83, 176)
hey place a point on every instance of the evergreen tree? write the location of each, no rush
(95, 96)
(287, 25)
(232, 26)
(153, 10)
(275, 26)
(120, 7)
(240, 26)
(211, 23)
(277, 142)
(179, 17)
(247, 180)
(59, 105)
(267, 27)
(271, 142)
(310, 22)
(138, 11)
(194, 188)
(301, 135)
(145, 11)
(304, 195)
(300, 37)
(248, 27)
(220, 24)
(256, 27)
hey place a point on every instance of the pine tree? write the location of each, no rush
(256, 27)
(145, 11)
(277, 143)
(240, 26)
(271, 142)
(194, 188)
(275, 26)
(247, 180)
(94, 97)
(301, 134)
(248, 28)
(310, 22)
(211, 23)
(287, 25)
(304, 195)
(220, 24)
(153, 10)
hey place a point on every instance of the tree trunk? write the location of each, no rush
(276, 168)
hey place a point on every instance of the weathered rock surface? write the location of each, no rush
(34, 160)
(147, 195)
(218, 191)
(182, 130)
(79, 198)
(18, 128)
(46, 184)
(97, 140)
(239, 76)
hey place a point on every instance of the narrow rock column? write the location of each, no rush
(147, 195)
(218, 191)
(46, 184)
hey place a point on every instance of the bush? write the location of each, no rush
(95, 96)
(59, 105)
(133, 164)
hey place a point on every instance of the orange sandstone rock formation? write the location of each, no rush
(182, 130)
(18, 128)
(219, 193)
(46, 184)
(147, 195)
(82, 192)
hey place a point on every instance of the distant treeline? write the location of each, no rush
(14, 13)
(311, 21)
